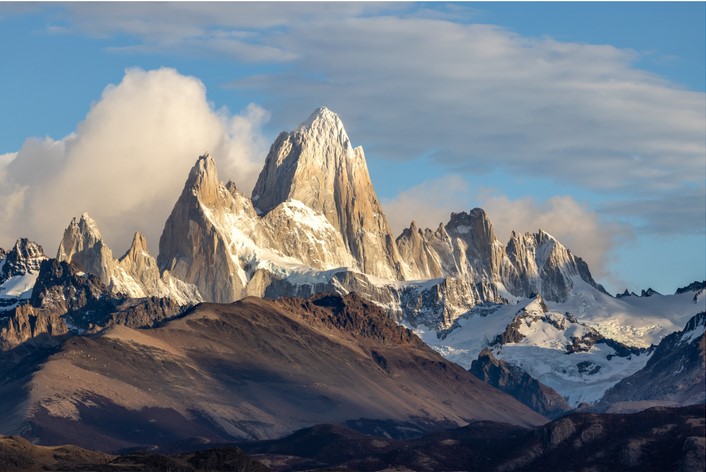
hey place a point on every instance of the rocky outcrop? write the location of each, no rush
(316, 165)
(59, 290)
(518, 383)
(19, 268)
(676, 372)
(422, 260)
(83, 246)
(135, 275)
(68, 301)
(649, 292)
(25, 257)
(215, 240)
(626, 293)
(692, 287)
(483, 251)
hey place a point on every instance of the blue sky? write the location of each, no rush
(585, 119)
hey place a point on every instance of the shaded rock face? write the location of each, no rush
(316, 165)
(24, 257)
(514, 381)
(135, 275)
(65, 301)
(692, 287)
(58, 290)
(675, 373)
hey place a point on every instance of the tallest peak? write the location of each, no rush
(322, 116)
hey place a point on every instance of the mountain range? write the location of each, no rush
(298, 306)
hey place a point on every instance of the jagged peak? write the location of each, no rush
(324, 127)
(203, 179)
(86, 225)
(25, 246)
(441, 231)
(25, 256)
(543, 235)
(139, 244)
(205, 164)
(537, 304)
(322, 117)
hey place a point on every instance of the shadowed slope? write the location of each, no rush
(254, 369)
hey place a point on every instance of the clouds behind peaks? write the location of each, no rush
(127, 161)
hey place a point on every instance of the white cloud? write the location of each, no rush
(127, 161)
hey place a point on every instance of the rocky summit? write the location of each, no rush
(314, 224)
(298, 307)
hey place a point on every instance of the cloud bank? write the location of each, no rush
(127, 161)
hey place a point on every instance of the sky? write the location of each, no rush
(587, 120)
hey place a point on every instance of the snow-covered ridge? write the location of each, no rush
(19, 268)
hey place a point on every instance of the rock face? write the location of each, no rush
(19, 268)
(215, 240)
(67, 301)
(25, 257)
(539, 264)
(466, 248)
(676, 372)
(83, 245)
(514, 381)
(316, 165)
(135, 275)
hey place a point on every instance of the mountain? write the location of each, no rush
(134, 275)
(66, 301)
(675, 374)
(514, 381)
(317, 166)
(314, 224)
(250, 370)
(19, 268)
(552, 347)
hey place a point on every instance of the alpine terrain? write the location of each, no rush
(296, 317)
